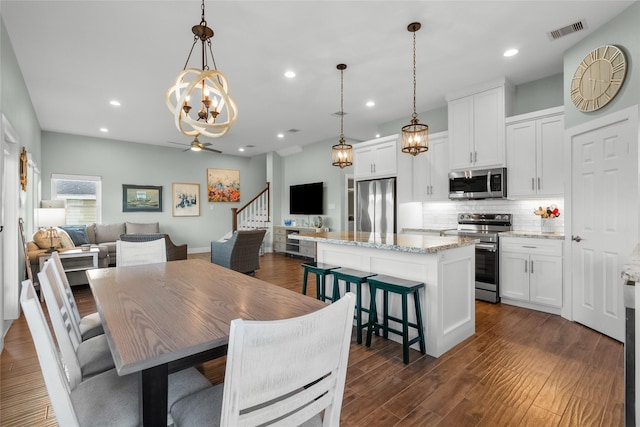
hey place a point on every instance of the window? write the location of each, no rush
(83, 196)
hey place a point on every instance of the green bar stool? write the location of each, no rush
(321, 271)
(404, 288)
(357, 277)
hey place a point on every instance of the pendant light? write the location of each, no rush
(204, 87)
(342, 153)
(415, 136)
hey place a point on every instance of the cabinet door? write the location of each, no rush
(550, 137)
(439, 169)
(385, 156)
(363, 162)
(521, 159)
(545, 274)
(514, 276)
(461, 133)
(488, 128)
(422, 176)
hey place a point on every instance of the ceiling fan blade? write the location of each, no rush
(213, 150)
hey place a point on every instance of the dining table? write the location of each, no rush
(163, 317)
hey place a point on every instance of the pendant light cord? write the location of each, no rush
(341, 106)
(414, 76)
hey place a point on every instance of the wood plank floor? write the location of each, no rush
(521, 368)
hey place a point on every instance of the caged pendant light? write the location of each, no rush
(206, 88)
(342, 153)
(415, 136)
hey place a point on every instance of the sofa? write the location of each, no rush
(101, 236)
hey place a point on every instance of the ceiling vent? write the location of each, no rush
(339, 113)
(293, 130)
(572, 28)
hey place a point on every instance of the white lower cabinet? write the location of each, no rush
(531, 272)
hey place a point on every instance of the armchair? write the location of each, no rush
(241, 252)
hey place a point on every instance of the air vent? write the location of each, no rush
(572, 28)
(250, 146)
(339, 113)
(293, 130)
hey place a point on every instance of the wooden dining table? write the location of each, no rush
(161, 318)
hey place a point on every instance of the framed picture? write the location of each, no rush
(141, 198)
(186, 199)
(223, 185)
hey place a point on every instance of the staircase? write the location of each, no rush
(255, 214)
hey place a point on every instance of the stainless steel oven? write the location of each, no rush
(485, 228)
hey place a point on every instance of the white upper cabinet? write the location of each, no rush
(535, 154)
(431, 170)
(375, 158)
(476, 126)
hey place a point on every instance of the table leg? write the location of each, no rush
(153, 396)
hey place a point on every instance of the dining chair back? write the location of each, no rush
(137, 253)
(290, 371)
(61, 321)
(83, 327)
(52, 369)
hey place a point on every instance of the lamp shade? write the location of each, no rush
(50, 217)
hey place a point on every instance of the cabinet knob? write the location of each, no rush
(576, 238)
(533, 183)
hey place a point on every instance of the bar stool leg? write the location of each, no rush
(359, 312)
(319, 288)
(405, 330)
(373, 316)
(385, 319)
(416, 298)
(304, 281)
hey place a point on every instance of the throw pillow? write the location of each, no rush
(43, 239)
(142, 228)
(65, 240)
(109, 232)
(78, 234)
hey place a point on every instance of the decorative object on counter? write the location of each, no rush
(317, 221)
(547, 216)
(23, 169)
(207, 85)
(342, 153)
(415, 136)
(287, 222)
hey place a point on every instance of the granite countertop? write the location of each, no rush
(413, 243)
(427, 230)
(631, 271)
(533, 234)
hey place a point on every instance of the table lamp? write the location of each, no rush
(51, 218)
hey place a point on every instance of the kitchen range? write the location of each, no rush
(484, 227)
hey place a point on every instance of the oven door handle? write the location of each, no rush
(490, 247)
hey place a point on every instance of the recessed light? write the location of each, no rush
(510, 52)
(370, 104)
(240, 149)
(281, 135)
(377, 135)
(105, 130)
(115, 103)
(289, 74)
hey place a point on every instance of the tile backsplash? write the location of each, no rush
(444, 214)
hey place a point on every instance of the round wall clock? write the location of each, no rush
(598, 78)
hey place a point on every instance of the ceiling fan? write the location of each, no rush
(197, 146)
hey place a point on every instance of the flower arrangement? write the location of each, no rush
(548, 212)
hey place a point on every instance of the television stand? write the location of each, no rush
(282, 243)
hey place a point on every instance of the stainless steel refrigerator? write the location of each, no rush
(376, 206)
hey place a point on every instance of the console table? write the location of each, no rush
(74, 259)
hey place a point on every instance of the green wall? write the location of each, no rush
(538, 95)
(120, 163)
(621, 31)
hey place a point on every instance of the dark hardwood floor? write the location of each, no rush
(521, 368)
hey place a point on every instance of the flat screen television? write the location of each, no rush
(306, 199)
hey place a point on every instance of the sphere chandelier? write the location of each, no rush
(204, 87)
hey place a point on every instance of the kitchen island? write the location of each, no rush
(446, 265)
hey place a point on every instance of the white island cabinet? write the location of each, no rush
(446, 265)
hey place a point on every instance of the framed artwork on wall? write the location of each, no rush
(141, 198)
(223, 185)
(186, 199)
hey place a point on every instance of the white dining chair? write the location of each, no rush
(82, 359)
(85, 327)
(137, 253)
(103, 400)
(290, 370)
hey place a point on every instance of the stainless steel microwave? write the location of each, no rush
(478, 184)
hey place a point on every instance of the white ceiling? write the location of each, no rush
(78, 55)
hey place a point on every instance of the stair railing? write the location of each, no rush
(254, 214)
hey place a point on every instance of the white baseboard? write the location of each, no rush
(198, 250)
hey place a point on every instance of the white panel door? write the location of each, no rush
(604, 216)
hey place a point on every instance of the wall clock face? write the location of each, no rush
(598, 78)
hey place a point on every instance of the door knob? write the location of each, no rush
(576, 238)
